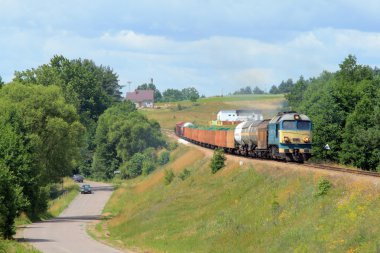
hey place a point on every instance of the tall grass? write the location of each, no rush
(9, 246)
(70, 191)
(252, 208)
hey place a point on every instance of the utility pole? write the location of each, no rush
(129, 86)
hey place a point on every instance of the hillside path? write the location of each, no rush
(67, 232)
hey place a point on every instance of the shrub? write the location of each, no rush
(217, 161)
(184, 174)
(151, 154)
(169, 176)
(323, 187)
(147, 167)
(172, 145)
(164, 158)
(133, 167)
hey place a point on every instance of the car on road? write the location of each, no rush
(78, 178)
(86, 189)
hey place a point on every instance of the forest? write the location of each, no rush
(345, 109)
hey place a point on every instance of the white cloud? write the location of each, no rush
(192, 43)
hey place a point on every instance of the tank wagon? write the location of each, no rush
(287, 136)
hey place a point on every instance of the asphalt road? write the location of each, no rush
(67, 233)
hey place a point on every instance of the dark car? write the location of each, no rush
(86, 188)
(78, 178)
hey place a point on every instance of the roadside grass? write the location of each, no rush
(55, 207)
(70, 191)
(206, 109)
(251, 208)
(9, 246)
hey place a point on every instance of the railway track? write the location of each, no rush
(333, 168)
(311, 165)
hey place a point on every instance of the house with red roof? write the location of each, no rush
(141, 98)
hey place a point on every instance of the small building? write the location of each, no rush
(239, 115)
(141, 98)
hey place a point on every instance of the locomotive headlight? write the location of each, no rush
(286, 139)
(296, 117)
(306, 139)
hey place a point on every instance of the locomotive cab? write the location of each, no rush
(289, 136)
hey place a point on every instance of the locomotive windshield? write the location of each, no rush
(292, 124)
(303, 125)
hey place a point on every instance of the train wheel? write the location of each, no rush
(274, 152)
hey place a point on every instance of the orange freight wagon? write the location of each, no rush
(220, 138)
(230, 142)
(211, 137)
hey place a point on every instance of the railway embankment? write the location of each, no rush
(248, 206)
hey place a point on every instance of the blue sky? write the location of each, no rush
(214, 46)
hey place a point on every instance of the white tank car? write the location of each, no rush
(188, 124)
(246, 132)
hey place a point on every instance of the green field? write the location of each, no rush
(205, 109)
(257, 207)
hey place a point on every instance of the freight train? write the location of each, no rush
(286, 137)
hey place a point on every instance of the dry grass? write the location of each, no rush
(178, 165)
(260, 206)
(206, 109)
(232, 210)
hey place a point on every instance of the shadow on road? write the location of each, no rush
(102, 188)
(31, 240)
(75, 218)
(67, 219)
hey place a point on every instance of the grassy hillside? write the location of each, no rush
(206, 109)
(256, 207)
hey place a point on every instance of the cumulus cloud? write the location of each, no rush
(192, 43)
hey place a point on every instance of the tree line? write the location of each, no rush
(171, 95)
(345, 110)
(63, 117)
(283, 88)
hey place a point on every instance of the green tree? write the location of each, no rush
(41, 139)
(296, 94)
(10, 201)
(245, 90)
(164, 157)
(90, 88)
(190, 94)
(172, 95)
(285, 87)
(217, 161)
(134, 166)
(361, 138)
(147, 167)
(1, 82)
(121, 133)
(274, 90)
(257, 90)
(344, 109)
(157, 94)
(326, 116)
